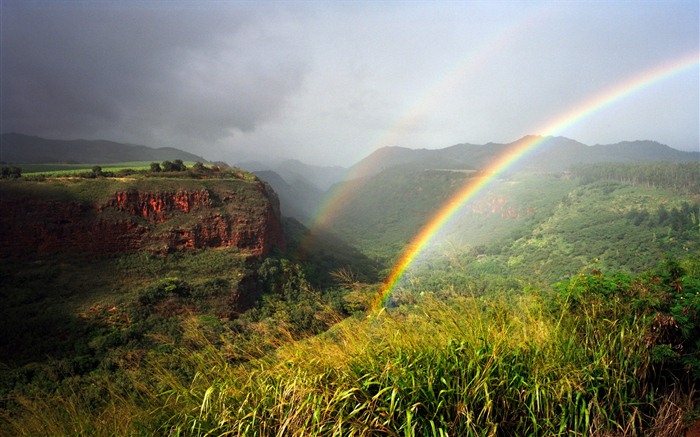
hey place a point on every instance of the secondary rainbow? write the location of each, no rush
(431, 96)
(520, 149)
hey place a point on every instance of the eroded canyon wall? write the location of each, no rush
(136, 219)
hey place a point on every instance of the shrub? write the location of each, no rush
(178, 165)
(167, 287)
(198, 167)
(10, 172)
(666, 301)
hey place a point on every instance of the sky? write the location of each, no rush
(328, 82)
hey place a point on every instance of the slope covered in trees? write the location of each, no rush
(681, 177)
(552, 305)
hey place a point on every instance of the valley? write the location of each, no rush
(555, 301)
(349, 218)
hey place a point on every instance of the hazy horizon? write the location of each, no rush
(328, 83)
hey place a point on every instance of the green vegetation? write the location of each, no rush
(681, 176)
(11, 172)
(543, 227)
(576, 362)
(107, 170)
(58, 170)
(615, 225)
(99, 184)
(558, 307)
(387, 210)
(85, 295)
(464, 366)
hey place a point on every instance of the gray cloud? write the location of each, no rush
(154, 72)
(329, 82)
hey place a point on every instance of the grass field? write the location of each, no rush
(59, 170)
(532, 364)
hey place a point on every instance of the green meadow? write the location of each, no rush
(70, 170)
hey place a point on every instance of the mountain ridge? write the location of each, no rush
(293, 171)
(298, 198)
(554, 153)
(19, 148)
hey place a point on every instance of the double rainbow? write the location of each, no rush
(434, 93)
(521, 148)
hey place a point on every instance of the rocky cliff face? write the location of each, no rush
(159, 207)
(133, 220)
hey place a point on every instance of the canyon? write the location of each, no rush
(243, 215)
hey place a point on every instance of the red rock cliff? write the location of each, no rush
(143, 220)
(159, 207)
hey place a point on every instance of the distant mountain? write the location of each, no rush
(292, 171)
(395, 191)
(25, 149)
(298, 199)
(301, 187)
(559, 153)
(387, 157)
(642, 151)
(552, 154)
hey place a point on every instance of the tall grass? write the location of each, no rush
(463, 367)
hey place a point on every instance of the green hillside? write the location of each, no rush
(553, 304)
(623, 227)
(385, 211)
(553, 220)
(552, 154)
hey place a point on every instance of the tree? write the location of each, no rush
(155, 167)
(168, 166)
(97, 170)
(178, 165)
(198, 167)
(662, 215)
(11, 172)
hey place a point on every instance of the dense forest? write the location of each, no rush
(681, 176)
(559, 304)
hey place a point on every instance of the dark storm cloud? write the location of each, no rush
(328, 82)
(149, 72)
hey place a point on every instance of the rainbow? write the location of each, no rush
(517, 151)
(431, 96)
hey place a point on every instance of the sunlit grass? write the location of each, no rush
(463, 366)
(59, 170)
(68, 170)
